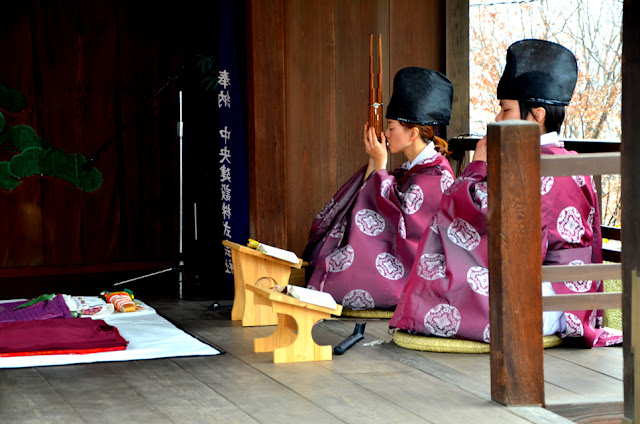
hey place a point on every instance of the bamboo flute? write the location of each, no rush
(375, 95)
(372, 92)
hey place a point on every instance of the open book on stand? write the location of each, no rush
(275, 252)
(312, 296)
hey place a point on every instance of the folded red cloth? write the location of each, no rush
(75, 335)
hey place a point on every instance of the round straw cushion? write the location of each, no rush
(367, 313)
(441, 344)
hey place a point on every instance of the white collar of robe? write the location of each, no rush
(427, 153)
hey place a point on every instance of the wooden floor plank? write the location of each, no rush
(97, 390)
(584, 382)
(26, 396)
(256, 394)
(433, 399)
(338, 395)
(605, 360)
(57, 414)
(177, 395)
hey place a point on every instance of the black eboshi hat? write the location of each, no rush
(539, 71)
(421, 96)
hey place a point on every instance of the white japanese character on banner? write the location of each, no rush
(224, 98)
(225, 190)
(228, 266)
(226, 155)
(226, 211)
(225, 134)
(223, 78)
(225, 174)
(227, 251)
(226, 229)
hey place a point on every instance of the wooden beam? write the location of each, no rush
(582, 164)
(582, 301)
(52, 271)
(457, 65)
(631, 201)
(581, 272)
(267, 126)
(515, 305)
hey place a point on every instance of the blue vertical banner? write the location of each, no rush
(232, 159)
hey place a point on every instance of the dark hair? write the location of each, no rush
(553, 119)
(429, 134)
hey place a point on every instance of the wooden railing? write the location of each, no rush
(514, 221)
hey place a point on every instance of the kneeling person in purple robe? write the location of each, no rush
(363, 243)
(447, 292)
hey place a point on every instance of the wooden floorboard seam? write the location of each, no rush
(537, 415)
(243, 409)
(60, 395)
(320, 406)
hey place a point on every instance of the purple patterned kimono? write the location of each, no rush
(363, 243)
(447, 292)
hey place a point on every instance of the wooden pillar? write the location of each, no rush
(267, 129)
(631, 212)
(515, 271)
(457, 67)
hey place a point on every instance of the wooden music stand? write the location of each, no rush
(249, 267)
(292, 341)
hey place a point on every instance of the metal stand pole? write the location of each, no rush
(180, 258)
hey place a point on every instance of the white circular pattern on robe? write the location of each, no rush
(385, 188)
(402, 229)
(579, 179)
(338, 230)
(389, 266)
(486, 334)
(326, 209)
(358, 299)
(481, 194)
(369, 222)
(578, 286)
(432, 266)
(592, 214)
(433, 225)
(426, 161)
(570, 225)
(611, 342)
(545, 185)
(412, 199)
(463, 234)
(446, 180)
(574, 326)
(340, 260)
(478, 279)
(443, 320)
(592, 319)
(598, 285)
(593, 185)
